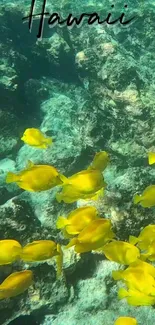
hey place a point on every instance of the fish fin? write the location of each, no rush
(71, 231)
(122, 293)
(144, 257)
(12, 178)
(133, 240)
(117, 275)
(61, 222)
(49, 142)
(80, 248)
(42, 146)
(64, 179)
(100, 249)
(17, 252)
(29, 164)
(98, 164)
(99, 194)
(35, 242)
(4, 293)
(90, 167)
(59, 197)
(136, 199)
(143, 300)
(59, 261)
(66, 235)
(73, 242)
(151, 158)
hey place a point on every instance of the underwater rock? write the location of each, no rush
(80, 58)
(90, 89)
(70, 260)
(43, 297)
(18, 221)
(96, 301)
(62, 112)
(45, 208)
(55, 47)
(6, 191)
(8, 135)
(8, 77)
(90, 297)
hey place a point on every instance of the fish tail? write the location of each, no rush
(122, 293)
(43, 146)
(11, 177)
(141, 301)
(144, 257)
(22, 255)
(29, 165)
(136, 199)
(61, 222)
(117, 275)
(133, 240)
(59, 261)
(65, 234)
(17, 252)
(49, 141)
(25, 256)
(73, 242)
(63, 178)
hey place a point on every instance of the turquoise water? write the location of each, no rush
(89, 88)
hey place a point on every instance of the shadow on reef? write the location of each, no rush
(30, 60)
(24, 320)
(85, 269)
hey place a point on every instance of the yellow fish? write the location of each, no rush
(121, 252)
(98, 195)
(150, 254)
(42, 250)
(100, 161)
(151, 158)
(93, 236)
(146, 237)
(135, 297)
(39, 250)
(137, 265)
(35, 138)
(15, 284)
(136, 279)
(10, 251)
(126, 321)
(147, 198)
(36, 178)
(77, 220)
(81, 186)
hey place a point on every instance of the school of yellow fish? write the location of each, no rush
(85, 229)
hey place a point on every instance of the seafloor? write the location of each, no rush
(91, 89)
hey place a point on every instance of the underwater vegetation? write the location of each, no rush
(76, 190)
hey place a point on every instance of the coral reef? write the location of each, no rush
(90, 89)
